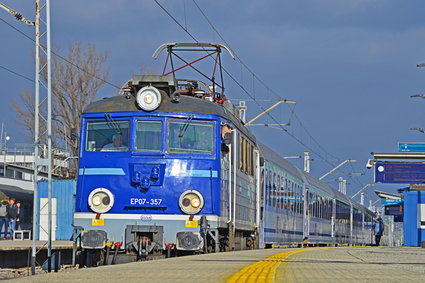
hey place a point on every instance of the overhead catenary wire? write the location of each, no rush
(61, 57)
(255, 76)
(239, 84)
(262, 82)
(17, 74)
(228, 73)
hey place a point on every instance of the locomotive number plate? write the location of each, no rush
(191, 224)
(97, 222)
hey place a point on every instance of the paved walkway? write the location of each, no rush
(189, 269)
(376, 264)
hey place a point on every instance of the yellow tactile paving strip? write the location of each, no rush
(264, 270)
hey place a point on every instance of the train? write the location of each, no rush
(168, 166)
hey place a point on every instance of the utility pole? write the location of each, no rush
(42, 125)
(306, 162)
(342, 185)
(42, 16)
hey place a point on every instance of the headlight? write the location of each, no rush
(191, 202)
(148, 98)
(101, 200)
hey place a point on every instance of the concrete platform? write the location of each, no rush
(8, 245)
(17, 254)
(369, 264)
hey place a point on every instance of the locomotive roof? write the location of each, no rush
(186, 104)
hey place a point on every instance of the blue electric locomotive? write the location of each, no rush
(168, 164)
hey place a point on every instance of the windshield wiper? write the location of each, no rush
(185, 126)
(114, 125)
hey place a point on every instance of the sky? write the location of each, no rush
(349, 64)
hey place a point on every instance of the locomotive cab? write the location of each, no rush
(150, 168)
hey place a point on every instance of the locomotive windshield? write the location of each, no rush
(148, 136)
(103, 136)
(193, 137)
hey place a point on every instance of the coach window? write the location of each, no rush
(246, 156)
(297, 199)
(320, 207)
(330, 206)
(276, 190)
(282, 192)
(288, 194)
(240, 153)
(312, 201)
(251, 160)
(107, 136)
(190, 137)
(302, 200)
(148, 136)
(266, 187)
(269, 187)
(285, 194)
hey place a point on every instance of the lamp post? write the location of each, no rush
(6, 139)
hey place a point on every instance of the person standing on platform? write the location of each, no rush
(4, 219)
(378, 228)
(19, 216)
(13, 212)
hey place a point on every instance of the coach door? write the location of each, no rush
(259, 184)
(333, 220)
(306, 214)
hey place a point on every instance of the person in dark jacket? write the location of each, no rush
(13, 212)
(378, 229)
(4, 219)
(19, 216)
